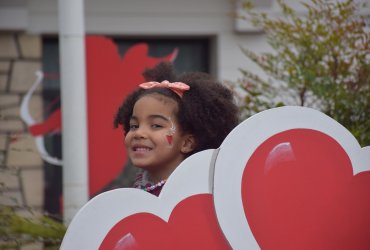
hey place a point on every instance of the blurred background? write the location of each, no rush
(123, 37)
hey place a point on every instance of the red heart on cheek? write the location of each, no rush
(192, 225)
(299, 192)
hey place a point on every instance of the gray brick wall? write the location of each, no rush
(21, 168)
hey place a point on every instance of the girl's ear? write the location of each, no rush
(188, 144)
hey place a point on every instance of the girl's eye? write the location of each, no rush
(157, 126)
(133, 126)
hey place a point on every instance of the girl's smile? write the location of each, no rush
(140, 149)
(152, 121)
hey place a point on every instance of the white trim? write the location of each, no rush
(73, 93)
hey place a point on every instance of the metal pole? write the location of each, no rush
(73, 93)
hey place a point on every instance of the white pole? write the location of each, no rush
(73, 93)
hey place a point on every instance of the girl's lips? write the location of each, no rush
(139, 152)
(141, 148)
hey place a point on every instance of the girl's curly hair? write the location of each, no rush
(207, 110)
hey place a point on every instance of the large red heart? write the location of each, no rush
(192, 225)
(299, 192)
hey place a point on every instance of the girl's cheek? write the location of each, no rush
(165, 140)
(126, 140)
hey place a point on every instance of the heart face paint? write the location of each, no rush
(171, 132)
(169, 139)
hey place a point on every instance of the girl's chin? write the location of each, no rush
(142, 166)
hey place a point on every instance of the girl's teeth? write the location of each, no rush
(142, 149)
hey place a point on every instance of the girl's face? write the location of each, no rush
(155, 142)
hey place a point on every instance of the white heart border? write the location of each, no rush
(240, 144)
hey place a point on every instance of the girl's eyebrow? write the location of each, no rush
(159, 116)
(154, 116)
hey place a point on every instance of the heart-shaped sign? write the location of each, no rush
(182, 217)
(292, 183)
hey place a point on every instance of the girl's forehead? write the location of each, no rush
(159, 97)
(155, 103)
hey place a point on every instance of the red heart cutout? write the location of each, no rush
(299, 192)
(192, 225)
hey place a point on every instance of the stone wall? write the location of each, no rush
(21, 168)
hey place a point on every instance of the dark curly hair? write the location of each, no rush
(207, 110)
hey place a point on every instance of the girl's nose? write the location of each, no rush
(140, 133)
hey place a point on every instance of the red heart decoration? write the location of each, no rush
(192, 225)
(299, 192)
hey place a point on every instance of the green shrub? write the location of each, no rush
(320, 60)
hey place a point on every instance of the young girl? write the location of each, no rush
(170, 117)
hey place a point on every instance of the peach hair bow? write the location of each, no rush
(178, 87)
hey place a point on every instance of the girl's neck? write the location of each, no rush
(158, 174)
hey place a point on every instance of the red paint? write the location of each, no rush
(192, 225)
(52, 124)
(299, 192)
(169, 139)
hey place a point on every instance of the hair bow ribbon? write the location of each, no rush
(178, 87)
